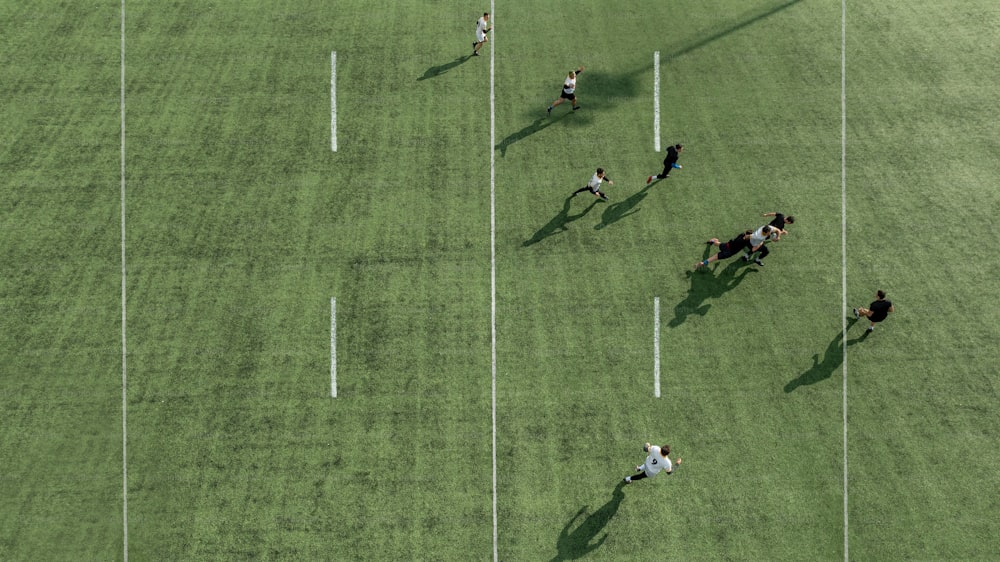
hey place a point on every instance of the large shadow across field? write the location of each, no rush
(600, 90)
(578, 540)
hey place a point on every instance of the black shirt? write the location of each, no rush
(880, 310)
(778, 222)
(672, 156)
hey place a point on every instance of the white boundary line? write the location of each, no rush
(656, 347)
(124, 348)
(493, 278)
(333, 347)
(333, 100)
(656, 101)
(843, 238)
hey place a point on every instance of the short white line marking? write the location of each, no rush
(656, 101)
(656, 347)
(333, 100)
(124, 315)
(333, 347)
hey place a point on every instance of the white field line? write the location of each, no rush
(124, 316)
(333, 100)
(656, 347)
(493, 278)
(656, 101)
(333, 347)
(843, 239)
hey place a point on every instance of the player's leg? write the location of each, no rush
(764, 251)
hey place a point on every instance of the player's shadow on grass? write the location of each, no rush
(442, 68)
(577, 542)
(558, 222)
(833, 358)
(705, 284)
(617, 211)
(534, 127)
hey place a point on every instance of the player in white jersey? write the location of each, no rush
(594, 185)
(482, 28)
(568, 90)
(657, 461)
(757, 240)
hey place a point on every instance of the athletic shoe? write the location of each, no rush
(575, 107)
(628, 479)
(870, 329)
(758, 262)
(649, 179)
(745, 257)
(475, 53)
(604, 198)
(549, 111)
(856, 315)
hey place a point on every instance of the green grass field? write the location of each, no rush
(241, 224)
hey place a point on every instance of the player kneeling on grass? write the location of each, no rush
(656, 462)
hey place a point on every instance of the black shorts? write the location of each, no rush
(566, 96)
(727, 251)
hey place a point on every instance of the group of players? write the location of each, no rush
(748, 243)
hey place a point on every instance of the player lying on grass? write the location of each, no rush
(728, 249)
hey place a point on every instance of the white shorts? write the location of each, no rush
(480, 37)
(650, 472)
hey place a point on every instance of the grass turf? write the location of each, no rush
(241, 225)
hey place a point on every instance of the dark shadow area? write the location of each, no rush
(709, 36)
(833, 357)
(578, 542)
(705, 284)
(599, 90)
(534, 127)
(617, 211)
(442, 68)
(559, 222)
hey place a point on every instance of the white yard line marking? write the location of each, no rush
(333, 347)
(843, 237)
(656, 101)
(656, 347)
(333, 100)
(124, 348)
(493, 277)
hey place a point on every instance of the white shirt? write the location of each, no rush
(481, 28)
(758, 237)
(656, 462)
(569, 86)
(595, 183)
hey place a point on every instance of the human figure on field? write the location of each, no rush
(594, 185)
(670, 162)
(727, 249)
(568, 91)
(877, 311)
(779, 222)
(757, 243)
(657, 461)
(482, 28)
